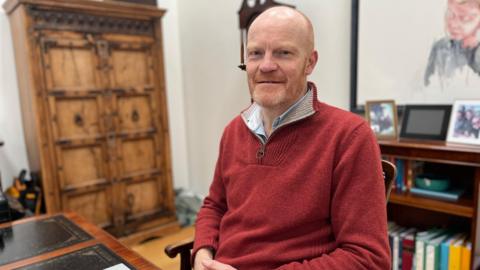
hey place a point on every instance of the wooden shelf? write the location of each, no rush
(463, 207)
(436, 151)
(428, 212)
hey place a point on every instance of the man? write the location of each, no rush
(298, 183)
(460, 48)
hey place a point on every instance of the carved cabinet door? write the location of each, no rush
(139, 140)
(75, 92)
(107, 127)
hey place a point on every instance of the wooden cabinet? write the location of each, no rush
(460, 162)
(92, 89)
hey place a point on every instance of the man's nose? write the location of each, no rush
(267, 64)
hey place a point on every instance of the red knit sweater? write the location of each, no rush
(315, 200)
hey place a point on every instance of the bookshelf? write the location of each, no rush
(423, 212)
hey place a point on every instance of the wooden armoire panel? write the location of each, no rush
(136, 190)
(135, 113)
(93, 83)
(138, 156)
(73, 67)
(96, 205)
(77, 117)
(70, 63)
(92, 170)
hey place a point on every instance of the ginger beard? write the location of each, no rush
(276, 89)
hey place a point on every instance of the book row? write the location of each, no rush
(432, 249)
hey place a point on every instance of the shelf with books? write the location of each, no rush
(460, 164)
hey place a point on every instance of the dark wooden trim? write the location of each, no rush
(183, 248)
(127, 10)
(74, 21)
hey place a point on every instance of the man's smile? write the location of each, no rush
(267, 81)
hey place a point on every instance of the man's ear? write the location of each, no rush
(311, 62)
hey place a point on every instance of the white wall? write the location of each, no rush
(13, 155)
(216, 90)
(175, 96)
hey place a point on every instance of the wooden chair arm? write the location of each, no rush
(184, 248)
(173, 249)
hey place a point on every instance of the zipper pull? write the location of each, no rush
(261, 152)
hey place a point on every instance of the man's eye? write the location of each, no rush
(254, 53)
(284, 53)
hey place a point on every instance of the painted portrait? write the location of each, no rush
(428, 55)
(459, 49)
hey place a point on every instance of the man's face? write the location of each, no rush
(278, 62)
(463, 19)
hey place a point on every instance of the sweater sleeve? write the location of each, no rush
(358, 209)
(210, 214)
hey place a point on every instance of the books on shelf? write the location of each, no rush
(421, 240)
(396, 235)
(455, 254)
(451, 195)
(406, 172)
(445, 250)
(408, 250)
(433, 251)
(428, 250)
(466, 255)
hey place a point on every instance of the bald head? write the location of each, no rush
(280, 56)
(288, 19)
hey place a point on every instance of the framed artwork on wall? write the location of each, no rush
(382, 117)
(429, 54)
(464, 124)
(428, 122)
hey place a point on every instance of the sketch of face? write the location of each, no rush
(463, 21)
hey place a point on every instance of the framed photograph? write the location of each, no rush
(429, 122)
(382, 117)
(435, 61)
(464, 124)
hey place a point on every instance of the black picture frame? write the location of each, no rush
(426, 122)
(354, 107)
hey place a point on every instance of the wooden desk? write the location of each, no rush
(68, 238)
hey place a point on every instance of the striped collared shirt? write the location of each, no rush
(301, 109)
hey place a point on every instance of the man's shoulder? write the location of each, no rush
(236, 124)
(333, 114)
(340, 127)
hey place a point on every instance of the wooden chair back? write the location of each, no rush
(389, 175)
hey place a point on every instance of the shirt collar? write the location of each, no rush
(254, 119)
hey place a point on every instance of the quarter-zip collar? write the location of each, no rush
(303, 108)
